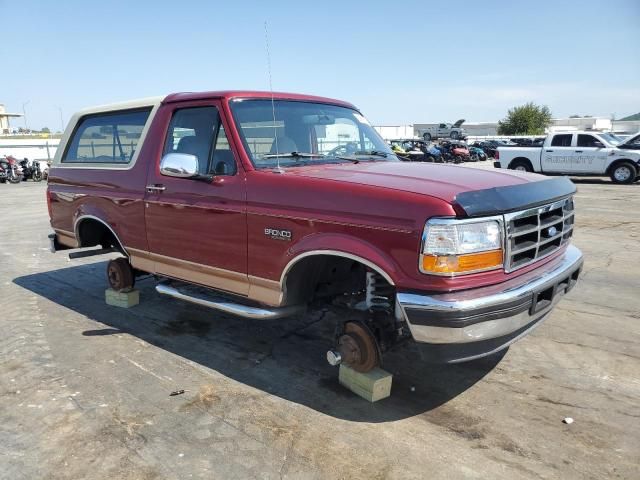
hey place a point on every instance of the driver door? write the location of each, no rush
(590, 154)
(197, 229)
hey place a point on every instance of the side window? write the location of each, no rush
(194, 131)
(109, 138)
(588, 141)
(563, 140)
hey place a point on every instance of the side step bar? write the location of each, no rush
(201, 297)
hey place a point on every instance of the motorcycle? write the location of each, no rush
(32, 171)
(13, 170)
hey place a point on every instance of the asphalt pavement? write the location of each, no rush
(85, 387)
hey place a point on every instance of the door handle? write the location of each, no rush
(155, 188)
(549, 151)
(578, 151)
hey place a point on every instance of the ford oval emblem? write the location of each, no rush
(551, 231)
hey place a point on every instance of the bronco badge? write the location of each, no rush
(276, 234)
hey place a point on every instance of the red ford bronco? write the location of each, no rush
(262, 205)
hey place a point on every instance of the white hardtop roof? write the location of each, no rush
(137, 103)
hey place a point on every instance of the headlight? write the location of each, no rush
(453, 247)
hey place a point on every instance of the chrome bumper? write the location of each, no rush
(493, 317)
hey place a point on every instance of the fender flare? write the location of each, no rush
(343, 246)
(528, 160)
(83, 217)
(636, 163)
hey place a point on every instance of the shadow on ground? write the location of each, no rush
(283, 357)
(597, 181)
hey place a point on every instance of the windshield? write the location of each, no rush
(611, 139)
(306, 133)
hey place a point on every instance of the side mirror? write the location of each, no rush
(181, 165)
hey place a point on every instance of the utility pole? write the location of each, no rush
(61, 119)
(24, 113)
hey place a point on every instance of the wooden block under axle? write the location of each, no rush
(373, 386)
(122, 299)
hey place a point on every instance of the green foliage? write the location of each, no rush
(528, 119)
(635, 116)
(45, 130)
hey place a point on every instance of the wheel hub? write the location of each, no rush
(622, 173)
(356, 347)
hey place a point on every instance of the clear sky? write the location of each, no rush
(399, 61)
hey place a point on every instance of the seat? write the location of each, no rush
(224, 163)
(195, 146)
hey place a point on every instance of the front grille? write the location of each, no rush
(537, 232)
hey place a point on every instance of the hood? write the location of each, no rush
(459, 123)
(445, 182)
(631, 142)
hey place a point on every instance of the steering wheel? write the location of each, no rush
(341, 150)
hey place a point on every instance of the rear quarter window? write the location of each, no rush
(109, 138)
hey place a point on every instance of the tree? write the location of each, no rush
(45, 130)
(634, 117)
(527, 119)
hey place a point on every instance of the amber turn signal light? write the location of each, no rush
(471, 262)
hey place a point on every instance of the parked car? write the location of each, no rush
(528, 142)
(576, 153)
(443, 130)
(490, 147)
(240, 212)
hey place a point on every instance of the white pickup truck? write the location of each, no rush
(577, 153)
(442, 130)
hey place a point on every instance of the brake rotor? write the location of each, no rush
(115, 276)
(358, 347)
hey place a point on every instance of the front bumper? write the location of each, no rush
(473, 323)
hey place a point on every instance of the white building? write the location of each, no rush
(490, 129)
(391, 132)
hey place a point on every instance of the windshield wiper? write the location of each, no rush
(367, 153)
(293, 155)
(372, 153)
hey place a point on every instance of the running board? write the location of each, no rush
(200, 296)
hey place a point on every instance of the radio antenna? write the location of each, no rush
(273, 104)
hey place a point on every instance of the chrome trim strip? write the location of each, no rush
(494, 297)
(246, 311)
(540, 226)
